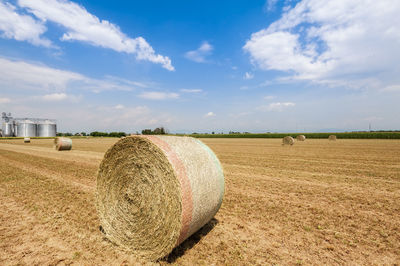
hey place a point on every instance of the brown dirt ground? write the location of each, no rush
(316, 202)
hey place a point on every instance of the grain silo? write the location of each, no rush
(7, 125)
(26, 128)
(8, 129)
(46, 128)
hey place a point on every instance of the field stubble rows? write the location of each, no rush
(315, 202)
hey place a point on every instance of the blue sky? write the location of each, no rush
(202, 66)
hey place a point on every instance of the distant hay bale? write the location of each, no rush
(288, 140)
(153, 192)
(27, 140)
(62, 144)
(301, 138)
(332, 137)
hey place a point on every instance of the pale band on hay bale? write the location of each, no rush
(301, 138)
(27, 140)
(63, 144)
(288, 140)
(153, 192)
(332, 137)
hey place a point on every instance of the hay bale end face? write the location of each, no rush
(63, 144)
(288, 140)
(27, 140)
(301, 138)
(332, 137)
(153, 192)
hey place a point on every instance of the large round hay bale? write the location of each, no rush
(301, 138)
(288, 140)
(62, 144)
(27, 140)
(153, 192)
(332, 137)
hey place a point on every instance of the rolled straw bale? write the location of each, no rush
(27, 140)
(288, 140)
(62, 144)
(332, 137)
(153, 192)
(301, 138)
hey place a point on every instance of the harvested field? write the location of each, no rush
(316, 202)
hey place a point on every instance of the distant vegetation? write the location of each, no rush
(342, 135)
(157, 131)
(94, 134)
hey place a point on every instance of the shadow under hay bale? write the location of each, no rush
(189, 243)
(288, 140)
(154, 192)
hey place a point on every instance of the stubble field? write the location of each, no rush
(317, 202)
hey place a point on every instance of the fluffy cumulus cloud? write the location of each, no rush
(199, 55)
(210, 114)
(340, 43)
(157, 95)
(248, 75)
(21, 27)
(80, 25)
(278, 106)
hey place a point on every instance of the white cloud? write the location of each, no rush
(80, 24)
(342, 43)
(392, 88)
(4, 100)
(201, 53)
(55, 97)
(269, 97)
(20, 75)
(119, 107)
(278, 106)
(156, 95)
(210, 114)
(58, 97)
(248, 75)
(191, 90)
(21, 27)
(270, 5)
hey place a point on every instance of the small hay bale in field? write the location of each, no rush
(62, 144)
(332, 137)
(301, 138)
(153, 192)
(27, 140)
(288, 140)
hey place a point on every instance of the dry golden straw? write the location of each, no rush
(301, 138)
(27, 140)
(332, 137)
(153, 192)
(288, 140)
(62, 144)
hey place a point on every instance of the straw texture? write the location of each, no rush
(27, 140)
(153, 192)
(301, 138)
(332, 137)
(62, 144)
(288, 140)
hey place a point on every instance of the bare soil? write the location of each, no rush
(316, 202)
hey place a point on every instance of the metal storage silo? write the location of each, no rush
(46, 128)
(26, 128)
(8, 129)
